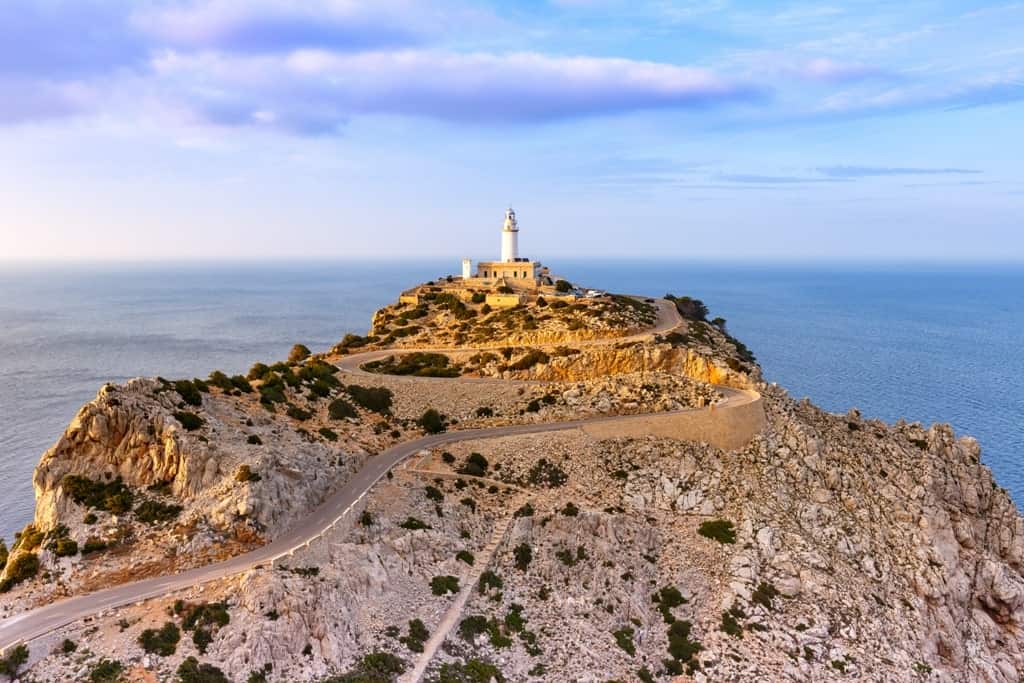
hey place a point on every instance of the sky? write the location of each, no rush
(150, 130)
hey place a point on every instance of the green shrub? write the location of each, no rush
(162, 641)
(566, 557)
(414, 524)
(68, 646)
(272, 389)
(418, 364)
(432, 422)
(24, 566)
(376, 667)
(668, 598)
(524, 555)
(299, 353)
(339, 409)
(730, 622)
(478, 297)
(469, 502)
(563, 286)
(153, 511)
(202, 638)
(485, 411)
(525, 511)
(257, 371)
(434, 494)
(64, 547)
(765, 594)
(377, 399)
(490, 580)
(14, 660)
(190, 421)
(475, 465)
(189, 392)
(93, 545)
(240, 383)
(90, 518)
(680, 647)
(624, 639)
(720, 530)
(418, 634)
(353, 341)
(547, 474)
(220, 380)
(441, 585)
(471, 627)
(203, 614)
(113, 497)
(328, 433)
(473, 671)
(570, 510)
(297, 413)
(191, 671)
(465, 556)
(106, 671)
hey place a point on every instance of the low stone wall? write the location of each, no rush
(727, 427)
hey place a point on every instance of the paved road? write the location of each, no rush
(32, 624)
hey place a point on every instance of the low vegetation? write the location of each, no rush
(112, 496)
(106, 671)
(190, 421)
(432, 422)
(442, 585)
(417, 364)
(192, 671)
(154, 512)
(23, 567)
(375, 667)
(720, 530)
(162, 641)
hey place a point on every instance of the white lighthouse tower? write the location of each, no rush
(510, 237)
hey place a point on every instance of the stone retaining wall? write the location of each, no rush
(727, 427)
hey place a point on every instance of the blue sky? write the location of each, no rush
(254, 129)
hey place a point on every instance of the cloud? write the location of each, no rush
(66, 39)
(313, 91)
(996, 89)
(830, 71)
(851, 172)
(754, 179)
(279, 25)
(27, 100)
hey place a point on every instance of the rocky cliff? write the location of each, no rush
(827, 548)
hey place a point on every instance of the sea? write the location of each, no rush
(930, 344)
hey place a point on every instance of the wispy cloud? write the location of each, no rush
(755, 179)
(313, 91)
(277, 25)
(851, 172)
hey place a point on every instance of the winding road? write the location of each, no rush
(24, 627)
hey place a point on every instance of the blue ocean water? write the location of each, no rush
(934, 345)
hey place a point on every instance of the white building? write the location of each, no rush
(512, 270)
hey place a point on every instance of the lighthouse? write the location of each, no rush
(512, 270)
(510, 238)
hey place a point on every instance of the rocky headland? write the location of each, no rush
(825, 547)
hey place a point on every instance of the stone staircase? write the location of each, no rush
(454, 612)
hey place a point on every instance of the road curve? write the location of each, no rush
(38, 622)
